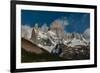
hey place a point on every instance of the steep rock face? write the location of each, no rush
(33, 35)
(86, 35)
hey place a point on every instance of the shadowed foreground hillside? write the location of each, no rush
(32, 53)
(44, 57)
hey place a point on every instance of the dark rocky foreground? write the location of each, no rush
(69, 54)
(32, 57)
(76, 53)
(33, 53)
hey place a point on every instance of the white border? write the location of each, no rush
(20, 65)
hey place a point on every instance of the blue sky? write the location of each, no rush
(77, 22)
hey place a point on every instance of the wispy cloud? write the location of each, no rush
(63, 21)
(26, 31)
